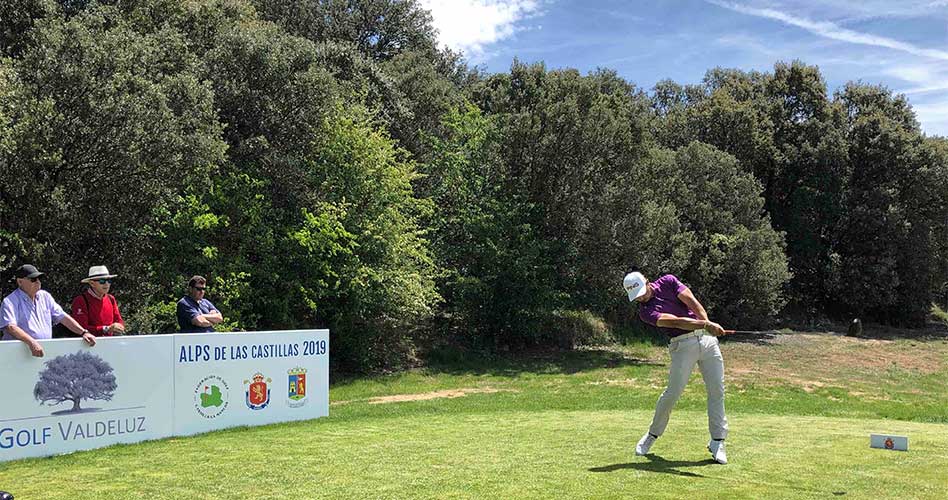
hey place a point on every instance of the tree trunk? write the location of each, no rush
(75, 404)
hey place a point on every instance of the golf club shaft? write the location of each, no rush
(750, 332)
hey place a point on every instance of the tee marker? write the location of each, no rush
(888, 442)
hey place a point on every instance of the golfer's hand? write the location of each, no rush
(89, 338)
(117, 329)
(36, 349)
(714, 329)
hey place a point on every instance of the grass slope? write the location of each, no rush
(801, 408)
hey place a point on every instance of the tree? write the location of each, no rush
(706, 224)
(493, 266)
(886, 226)
(75, 377)
(564, 140)
(111, 121)
(935, 173)
(380, 29)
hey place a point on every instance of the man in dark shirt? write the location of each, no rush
(195, 313)
(669, 305)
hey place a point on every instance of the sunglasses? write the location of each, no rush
(34, 280)
(199, 288)
(105, 281)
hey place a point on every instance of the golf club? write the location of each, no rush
(751, 332)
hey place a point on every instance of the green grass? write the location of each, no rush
(940, 314)
(563, 425)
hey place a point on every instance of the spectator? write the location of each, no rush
(28, 314)
(195, 313)
(95, 308)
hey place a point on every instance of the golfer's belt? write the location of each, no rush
(696, 333)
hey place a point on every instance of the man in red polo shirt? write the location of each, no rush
(95, 309)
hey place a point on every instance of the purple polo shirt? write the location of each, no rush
(665, 301)
(34, 317)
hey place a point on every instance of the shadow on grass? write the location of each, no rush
(658, 464)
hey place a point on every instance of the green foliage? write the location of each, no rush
(706, 215)
(494, 270)
(940, 314)
(884, 227)
(110, 124)
(18, 19)
(569, 329)
(783, 128)
(564, 140)
(380, 29)
(324, 163)
(386, 291)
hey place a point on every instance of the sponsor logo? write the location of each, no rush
(74, 378)
(296, 387)
(257, 395)
(211, 396)
(889, 444)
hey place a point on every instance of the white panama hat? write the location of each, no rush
(98, 272)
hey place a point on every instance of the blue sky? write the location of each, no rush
(902, 44)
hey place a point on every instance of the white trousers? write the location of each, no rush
(685, 353)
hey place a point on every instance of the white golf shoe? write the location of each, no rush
(645, 444)
(717, 451)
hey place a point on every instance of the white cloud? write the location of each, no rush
(926, 78)
(932, 116)
(912, 73)
(470, 25)
(833, 31)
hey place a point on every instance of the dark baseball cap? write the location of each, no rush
(28, 271)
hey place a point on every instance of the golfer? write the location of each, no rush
(669, 305)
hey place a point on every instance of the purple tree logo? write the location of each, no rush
(74, 377)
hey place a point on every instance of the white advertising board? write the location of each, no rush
(78, 397)
(131, 389)
(249, 379)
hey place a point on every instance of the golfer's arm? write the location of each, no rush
(672, 321)
(689, 299)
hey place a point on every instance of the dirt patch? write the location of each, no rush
(450, 393)
(424, 396)
(814, 360)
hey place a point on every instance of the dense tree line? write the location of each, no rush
(325, 164)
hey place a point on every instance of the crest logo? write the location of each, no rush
(296, 387)
(211, 396)
(257, 395)
(889, 444)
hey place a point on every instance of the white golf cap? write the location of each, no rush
(634, 284)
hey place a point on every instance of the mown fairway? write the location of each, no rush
(801, 407)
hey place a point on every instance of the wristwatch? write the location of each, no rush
(84, 332)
